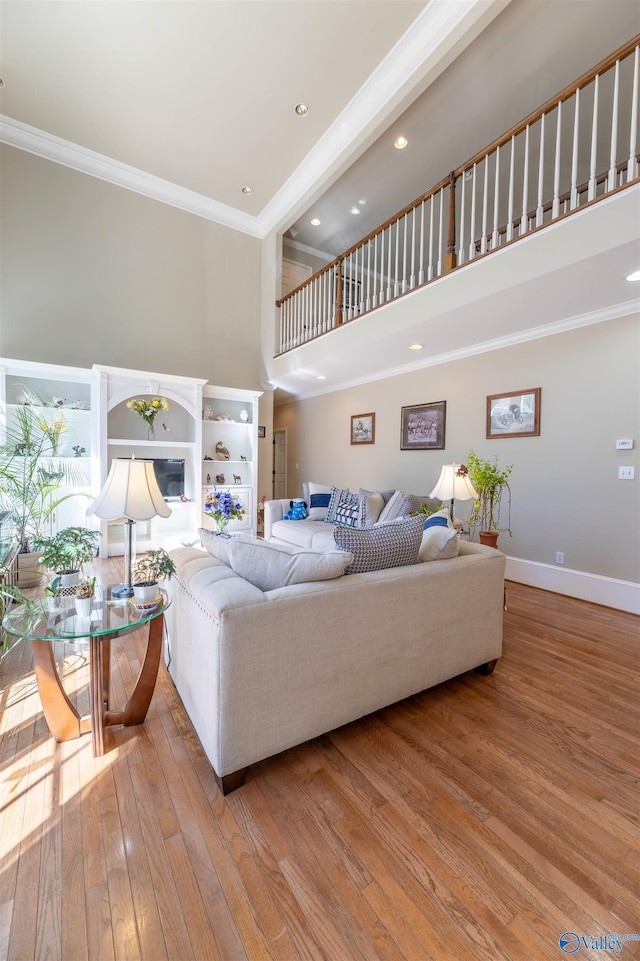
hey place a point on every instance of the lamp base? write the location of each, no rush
(122, 590)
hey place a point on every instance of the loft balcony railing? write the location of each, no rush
(577, 148)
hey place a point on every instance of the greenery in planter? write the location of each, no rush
(68, 550)
(491, 482)
(151, 567)
(29, 481)
(8, 594)
(86, 587)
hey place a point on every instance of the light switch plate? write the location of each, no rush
(626, 473)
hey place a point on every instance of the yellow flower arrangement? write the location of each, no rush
(147, 409)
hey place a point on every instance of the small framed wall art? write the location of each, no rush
(423, 426)
(516, 414)
(262, 431)
(363, 428)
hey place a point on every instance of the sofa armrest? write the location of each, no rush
(274, 511)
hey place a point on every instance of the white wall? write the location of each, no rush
(95, 273)
(566, 495)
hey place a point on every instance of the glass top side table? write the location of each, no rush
(109, 619)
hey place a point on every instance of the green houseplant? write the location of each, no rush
(30, 482)
(68, 550)
(492, 484)
(146, 573)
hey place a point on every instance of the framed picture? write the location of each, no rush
(363, 428)
(423, 426)
(262, 431)
(516, 414)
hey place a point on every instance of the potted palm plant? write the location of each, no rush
(30, 483)
(147, 571)
(66, 552)
(491, 483)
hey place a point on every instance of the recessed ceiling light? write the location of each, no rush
(320, 377)
(301, 109)
(355, 210)
(247, 190)
(362, 201)
(315, 222)
(400, 143)
(634, 276)
(416, 346)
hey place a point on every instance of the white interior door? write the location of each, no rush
(279, 463)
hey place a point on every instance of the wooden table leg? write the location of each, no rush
(96, 693)
(138, 704)
(64, 721)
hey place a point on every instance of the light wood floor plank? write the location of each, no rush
(477, 821)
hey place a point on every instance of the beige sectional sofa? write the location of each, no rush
(261, 671)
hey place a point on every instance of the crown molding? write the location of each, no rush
(625, 309)
(46, 145)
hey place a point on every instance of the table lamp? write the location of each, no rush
(454, 484)
(130, 491)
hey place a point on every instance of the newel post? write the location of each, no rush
(339, 294)
(450, 260)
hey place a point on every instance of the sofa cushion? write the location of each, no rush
(398, 505)
(269, 566)
(371, 506)
(317, 497)
(344, 508)
(215, 544)
(394, 544)
(438, 543)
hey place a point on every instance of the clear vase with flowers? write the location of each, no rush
(221, 507)
(148, 409)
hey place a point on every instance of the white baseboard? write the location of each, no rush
(623, 595)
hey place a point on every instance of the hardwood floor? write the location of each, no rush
(479, 820)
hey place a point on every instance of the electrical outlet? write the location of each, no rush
(626, 473)
(559, 557)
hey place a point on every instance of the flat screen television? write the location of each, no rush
(170, 475)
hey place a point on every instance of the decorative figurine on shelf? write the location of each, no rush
(206, 457)
(78, 450)
(237, 479)
(244, 416)
(167, 430)
(207, 412)
(58, 401)
(222, 452)
(220, 479)
(208, 478)
(225, 418)
(243, 458)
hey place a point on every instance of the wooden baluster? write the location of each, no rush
(421, 269)
(472, 226)
(496, 195)
(511, 177)
(396, 285)
(374, 300)
(594, 141)
(368, 300)
(451, 259)
(483, 242)
(555, 207)
(633, 128)
(389, 269)
(539, 208)
(412, 275)
(440, 262)
(524, 220)
(431, 205)
(462, 216)
(614, 128)
(574, 155)
(339, 294)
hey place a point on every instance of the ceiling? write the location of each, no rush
(189, 101)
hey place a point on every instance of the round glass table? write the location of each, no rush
(109, 618)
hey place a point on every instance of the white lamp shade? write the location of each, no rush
(131, 490)
(453, 485)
